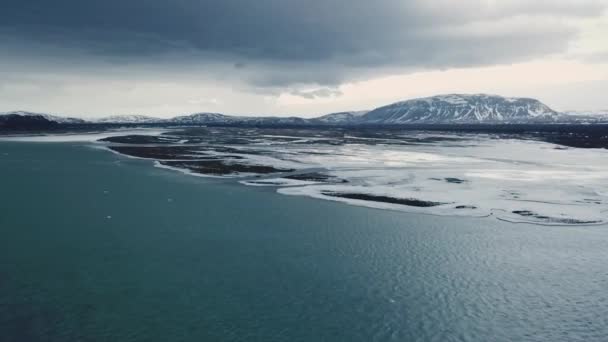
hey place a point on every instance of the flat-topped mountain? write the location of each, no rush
(456, 108)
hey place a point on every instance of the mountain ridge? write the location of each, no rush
(55, 118)
(439, 109)
(129, 118)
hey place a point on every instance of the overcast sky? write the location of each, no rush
(286, 57)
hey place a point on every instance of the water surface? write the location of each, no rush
(98, 247)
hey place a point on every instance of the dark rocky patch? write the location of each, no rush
(548, 219)
(412, 202)
(316, 177)
(526, 213)
(454, 180)
(219, 168)
(465, 207)
(261, 182)
(450, 180)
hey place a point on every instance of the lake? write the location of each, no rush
(98, 247)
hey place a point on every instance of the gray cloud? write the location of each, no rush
(285, 43)
(596, 57)
(317, 93)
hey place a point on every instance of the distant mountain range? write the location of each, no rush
(341, 117)
(48, 117)
(132, 119)
(442, 109)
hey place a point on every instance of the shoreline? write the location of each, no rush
(300, 172)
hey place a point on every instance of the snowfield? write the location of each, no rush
(513, 180)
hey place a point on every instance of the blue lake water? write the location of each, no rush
(98, 247)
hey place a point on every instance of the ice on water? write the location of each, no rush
(80, 137)
(514, 180)
(475, 175)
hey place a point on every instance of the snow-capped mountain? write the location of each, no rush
(221, 119)
(129, 119)
(48, 117)
(341, 117)
(272, 121)
(203, 119)
(457, 108)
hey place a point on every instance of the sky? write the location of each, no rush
(91, 58)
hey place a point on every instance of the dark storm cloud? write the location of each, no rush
(280, 42)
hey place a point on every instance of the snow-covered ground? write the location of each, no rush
(514, 180)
